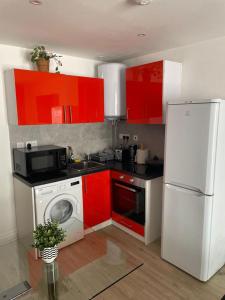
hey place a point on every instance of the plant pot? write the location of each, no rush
(43, 65)
(48, 255)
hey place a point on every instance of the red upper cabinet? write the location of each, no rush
(48, 98)
(144, 85)
(42, 98)
(148, 88)
(88, 105)
(96, 198)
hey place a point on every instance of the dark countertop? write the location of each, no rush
(146, 172)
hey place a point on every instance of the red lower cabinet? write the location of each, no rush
(96, 198)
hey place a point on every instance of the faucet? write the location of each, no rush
(70, 155)
(87, 157)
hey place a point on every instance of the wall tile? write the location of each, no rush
(84, 138)
(152, 136)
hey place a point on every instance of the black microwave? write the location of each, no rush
(41, 159)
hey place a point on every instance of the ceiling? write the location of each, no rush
(109, 28)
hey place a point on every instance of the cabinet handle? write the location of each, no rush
(64, 110)
(71, 113)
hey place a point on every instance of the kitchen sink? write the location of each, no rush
(85, 165)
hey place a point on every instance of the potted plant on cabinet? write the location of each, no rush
(46, 238)
(42, 57)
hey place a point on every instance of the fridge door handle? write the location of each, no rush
(185, 186)
(184, 189)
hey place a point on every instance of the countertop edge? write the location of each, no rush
(75, 174)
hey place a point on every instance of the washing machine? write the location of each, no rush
(61, 201)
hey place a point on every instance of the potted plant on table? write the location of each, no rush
(42, 57)
(46, 238)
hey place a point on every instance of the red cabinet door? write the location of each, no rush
(43, 98)
(88, 105)
(144, 93)
(96, 198)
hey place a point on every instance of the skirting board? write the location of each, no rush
(111, 222)
(8, 237)
(98, 227)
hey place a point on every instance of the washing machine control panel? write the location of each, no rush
(57, 188)
(63, 187)
(44, 191)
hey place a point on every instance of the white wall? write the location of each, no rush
(14, 57)
(203, 68)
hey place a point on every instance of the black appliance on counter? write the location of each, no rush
(129, 154)
(42, 159)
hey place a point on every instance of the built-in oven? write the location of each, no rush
(128, 201)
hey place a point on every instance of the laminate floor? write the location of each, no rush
(156, 279)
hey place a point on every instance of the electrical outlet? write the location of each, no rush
(124, 135)
(20, 145)
(33, 143)
(135, 138)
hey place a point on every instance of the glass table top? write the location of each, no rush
(82, 270)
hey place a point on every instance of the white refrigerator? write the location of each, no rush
(193, 226)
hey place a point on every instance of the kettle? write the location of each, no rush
(132, 152)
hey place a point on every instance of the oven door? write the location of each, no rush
(128, 201)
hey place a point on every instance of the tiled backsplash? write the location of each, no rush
(84, 138)
(152, 136)
(89, 138)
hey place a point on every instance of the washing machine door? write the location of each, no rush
(65, 209)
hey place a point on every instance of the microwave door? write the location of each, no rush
(42, 162)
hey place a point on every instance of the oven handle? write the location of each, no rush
(125, 187)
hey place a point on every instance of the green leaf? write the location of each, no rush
(48, 235)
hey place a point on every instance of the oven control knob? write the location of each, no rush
(122, 177)
(131, 180)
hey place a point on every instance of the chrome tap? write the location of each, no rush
(70, 155)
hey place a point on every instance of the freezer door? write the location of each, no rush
(191, 137)
(186, 230)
